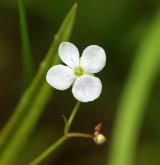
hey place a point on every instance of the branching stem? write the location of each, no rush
(62, 139)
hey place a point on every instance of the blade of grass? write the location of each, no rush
(17, 130)
(134, 99)
(26, 49)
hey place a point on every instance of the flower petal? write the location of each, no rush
(87, 88)
(93, 59)
(60, 77)
(69, 54)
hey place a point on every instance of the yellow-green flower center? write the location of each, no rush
(78, 71)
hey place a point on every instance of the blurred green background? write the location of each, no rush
(118, 26)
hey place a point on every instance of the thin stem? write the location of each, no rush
(55, 145)
(78, 134)
(66, 135)
(26, 48)
(71, 118)
(49, 150)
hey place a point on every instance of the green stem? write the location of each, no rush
(26, 49)
(55, 145)
(134, 100)
(71, 118)
(80, 135)
(66, 135)
(49, 150)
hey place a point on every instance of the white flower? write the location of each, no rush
(79, 71)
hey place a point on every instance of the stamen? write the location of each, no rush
(78, 71)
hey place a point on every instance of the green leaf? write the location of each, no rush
(18, 129)
(135, 96)
(26, 49)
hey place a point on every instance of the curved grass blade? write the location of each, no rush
(17, 130)
(134, 99)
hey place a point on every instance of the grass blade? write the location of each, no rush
(26, 49)
(134, 99)
(16, 132)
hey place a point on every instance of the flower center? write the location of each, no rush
(78, 71)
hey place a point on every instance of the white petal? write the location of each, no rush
(87, 88)
(69, 54)
(60, 77)
(93, 59)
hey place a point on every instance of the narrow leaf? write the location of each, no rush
(27, 61)
(18, 129)
(135, 96)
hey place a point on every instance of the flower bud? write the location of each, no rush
(99, 139)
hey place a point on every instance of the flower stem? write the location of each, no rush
(49, 150)
(55, 145)
(71, 118)
(61, 140)
(78, 134)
